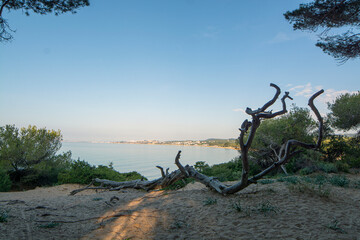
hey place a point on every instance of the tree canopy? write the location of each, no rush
(37, 6)
(327, 15)
(345, 111)
(273, 133)
(27, 147)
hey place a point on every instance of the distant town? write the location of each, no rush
(221, 143)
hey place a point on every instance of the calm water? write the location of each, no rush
(144, 158)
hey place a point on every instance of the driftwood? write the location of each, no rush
(287, 150)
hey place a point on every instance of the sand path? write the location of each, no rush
(269, 211)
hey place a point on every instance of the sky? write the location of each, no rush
(159, 69)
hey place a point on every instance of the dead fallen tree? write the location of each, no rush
(248, 128)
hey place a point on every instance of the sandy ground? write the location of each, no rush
(268, 211)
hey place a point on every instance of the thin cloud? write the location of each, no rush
(280, 37)
(296, 87)
(308, 90)
(239, 110)
(303, 90)
(331, 94)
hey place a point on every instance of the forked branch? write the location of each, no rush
(287, 150)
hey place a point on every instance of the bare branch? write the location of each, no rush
(283, 111)
(178, 164)
(3, 6)
(271, 147)
(286, 151)
(318, 116)
(288, 154)
(244, 128)
(266, 105)
(210, 182)
(162, 171)
(5, 30)
(272, 101)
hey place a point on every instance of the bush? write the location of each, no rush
(266, 207)
(343, 150)
(230, 171)
(318, 179)
(327, 167)
(42, 174)
(356, 184)
(310, 189)
(272, 133)
(5, 182)
(210, 201)
(29, 156)
(307, 170)
(353, 161)
(3, 215)
(339, 181)
(342, 166)
(79, 172)
(304, 163)
(83, 173)
(290, 179)
(266, 181)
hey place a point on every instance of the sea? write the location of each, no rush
(144, 158)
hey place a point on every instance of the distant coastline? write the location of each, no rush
(213, 143)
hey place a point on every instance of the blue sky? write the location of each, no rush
(184, 69)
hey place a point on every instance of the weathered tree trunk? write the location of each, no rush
(287, 150)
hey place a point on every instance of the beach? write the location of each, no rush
(261, 211)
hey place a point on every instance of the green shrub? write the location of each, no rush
(307, 160)
(29, 155)
(237, 206)
(79, 172)
(176, 225)
(341, 149)
(352, 160)
(82, 172)
(310, 189)
(266, 181)
(210, 201)
(49, 225)
(42, 174)
(321, 166)
(339, 181)
(5, 182)
(3, 215)
(291, 179)
(356, 184)
(229, 171)
(342, 166)
(97, 199)
(272, 133)
(319, 179)
(110, 173)
(45, 173)
(327, 167)
(266, 207)
(201, 166)
(254, 168)
(307, 170)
